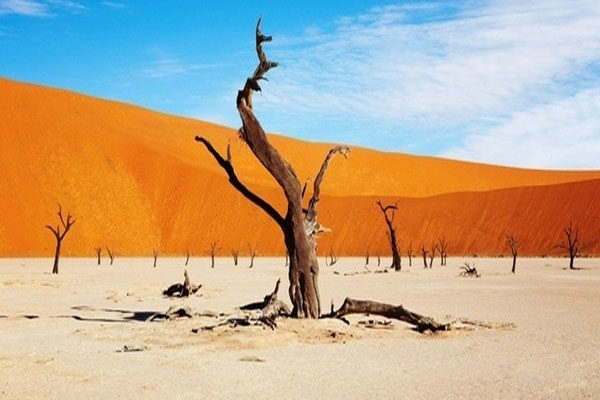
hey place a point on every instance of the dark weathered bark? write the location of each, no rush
(443, 248)
(410, 249)
(468, 270)
(187, 257)
(514, 250)
(378, 260)
(110, 255)
(432, 256)
(367, 258)
(424, 254)
(287, 258)
(99, 253)
(299, 226)
(571, 243)
(184, 289)
(235, 254)
(253, 251)
(389, 221)
(213, 251)
(155, 255)
(66, 225)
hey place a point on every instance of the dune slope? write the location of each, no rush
(136, 180)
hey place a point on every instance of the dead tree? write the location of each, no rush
(468, 270)
(187, 256)
(332, 257)
(182, 289)
(443, 248)
(513, 245)
(213, 251)
(98, 253)
(571, 243)
(367, 258)
(424, 254)
(253, 251)
(235, 254)
(410, 249)
(378, 260)
(432, 255)
(299, 225)
(110, 255)
(389, 213)
(66, 225)
(155, 255)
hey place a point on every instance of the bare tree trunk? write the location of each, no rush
(253, 252)
(389, 220)
(110, 255)
(155, 255)
(378, 260)
(66, 224)
(514, 264)
(431, 256)
(299, 226)
(98, 253)
(234, 254)
(424, 254)
(187, 257)
(367, 258)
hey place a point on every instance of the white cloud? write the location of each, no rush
(113, 4)
(429, 65)
(565, 133)
(23, 7)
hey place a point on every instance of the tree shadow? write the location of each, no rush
(127, 315)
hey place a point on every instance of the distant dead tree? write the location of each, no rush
(389, 213)
(253, 251)
(332, 257)
(378, 260)
(468, 270)
(410, 254)
(187, 256)
(98, 253)
(367, 257)
(432, 255)
(443, 248)
(424, 254)
(571, 243)
(66, 225)
(513, 245)
(110, 255)
(213, 251)
(235, 254)
(155, 255)
(299, 226)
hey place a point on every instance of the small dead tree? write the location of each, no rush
(378, 260)
(443, 248)
(389, 213)
(235, 254)
(187, 256)
(367, 257)
(253, 251)
(213, 251)
(184, 289)
(469, 271)
(410, 254)
(110, 255)
(571, 243)
(513, 245)
(432, 255)
(66, 226)
(155, 255)
(99, 253)
(424, 252)
(332, 257)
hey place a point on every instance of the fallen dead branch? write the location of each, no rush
(468, 271)
(184, 289)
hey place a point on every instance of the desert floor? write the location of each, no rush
(63, 336)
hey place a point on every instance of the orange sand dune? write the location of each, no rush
(135, 179)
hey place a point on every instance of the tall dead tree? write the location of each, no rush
(187, 256)
(235, 254)
(299, 225)
(443, 248)
(332, 257)
(110, 255)
(155, 255)
(389, 213)
(513, 245)
(66, 226)
(213, 251)
(367, 257)
(252, 251)
(424, 252)
(571, 243)
(99, 253)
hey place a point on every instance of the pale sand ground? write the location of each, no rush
(71, 349)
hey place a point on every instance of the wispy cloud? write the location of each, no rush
(23, 7)
(165, 65)
(439, 66)
(113, 4)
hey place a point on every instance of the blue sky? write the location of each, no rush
(506, 82)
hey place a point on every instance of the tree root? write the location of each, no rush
(421, 323)
(184, 289)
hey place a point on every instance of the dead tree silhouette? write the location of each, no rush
(235, 254)
(213, 251)
(389, 221)
(110, 255)
(99, 253)
(253, 251)
(443, 248)
(155, 255)
(299, 225)
(187, 256)
(424, 254)
(66, 223)
(571, 243)
(513, 245)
